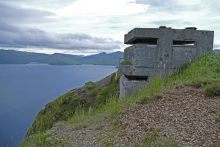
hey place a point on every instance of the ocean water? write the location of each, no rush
(26, 88)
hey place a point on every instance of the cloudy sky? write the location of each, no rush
(94, 26)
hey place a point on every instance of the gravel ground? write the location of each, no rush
(184, 115)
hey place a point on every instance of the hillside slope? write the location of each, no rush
(92, 94)
(182, 110)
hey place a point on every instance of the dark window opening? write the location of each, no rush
(183, 43)
(137, 77)
(150, 41)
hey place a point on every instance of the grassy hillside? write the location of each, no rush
(204, 72)
(63, 108)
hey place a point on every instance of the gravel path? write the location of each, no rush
(184, 115)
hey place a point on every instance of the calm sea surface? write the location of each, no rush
(25, 89)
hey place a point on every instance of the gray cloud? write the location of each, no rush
(33, 37)
(18, 15)
(54, 4)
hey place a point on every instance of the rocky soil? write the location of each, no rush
(184, 115)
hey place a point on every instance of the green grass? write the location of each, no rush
(212, 89)
(99, 138)
(126, 63)
(123, 133)
(201, 72)
(108, 144)
(100, 127)
(64, 107)
(150, 138)
(115, 122)
(42, 139)
(58, 142)
(217, 118)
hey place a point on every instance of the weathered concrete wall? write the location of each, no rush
(127, 87)
(158, 51)
(165, 55)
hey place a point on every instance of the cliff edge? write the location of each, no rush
(85, 98)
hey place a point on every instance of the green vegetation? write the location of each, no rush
(108, 144)
(42, 139)
(162, 27)
(217, 118)
(126, 63)
(212, 89)
(64, 107)
(123, 133)
(100, 138)
(99, 127)
(115, 122)
(58, 142)
(151, 140)
(108, 92)
(16, 57)
(202, 72)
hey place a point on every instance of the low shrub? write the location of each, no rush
(126, 63)
(212, 89)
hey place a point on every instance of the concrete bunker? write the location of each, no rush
(160, 51)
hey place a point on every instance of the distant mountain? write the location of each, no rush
(17, 57)
(216, 50)
(102, 58)
(60, 59)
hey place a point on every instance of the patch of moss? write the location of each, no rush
(126, 63)
(212, 89)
